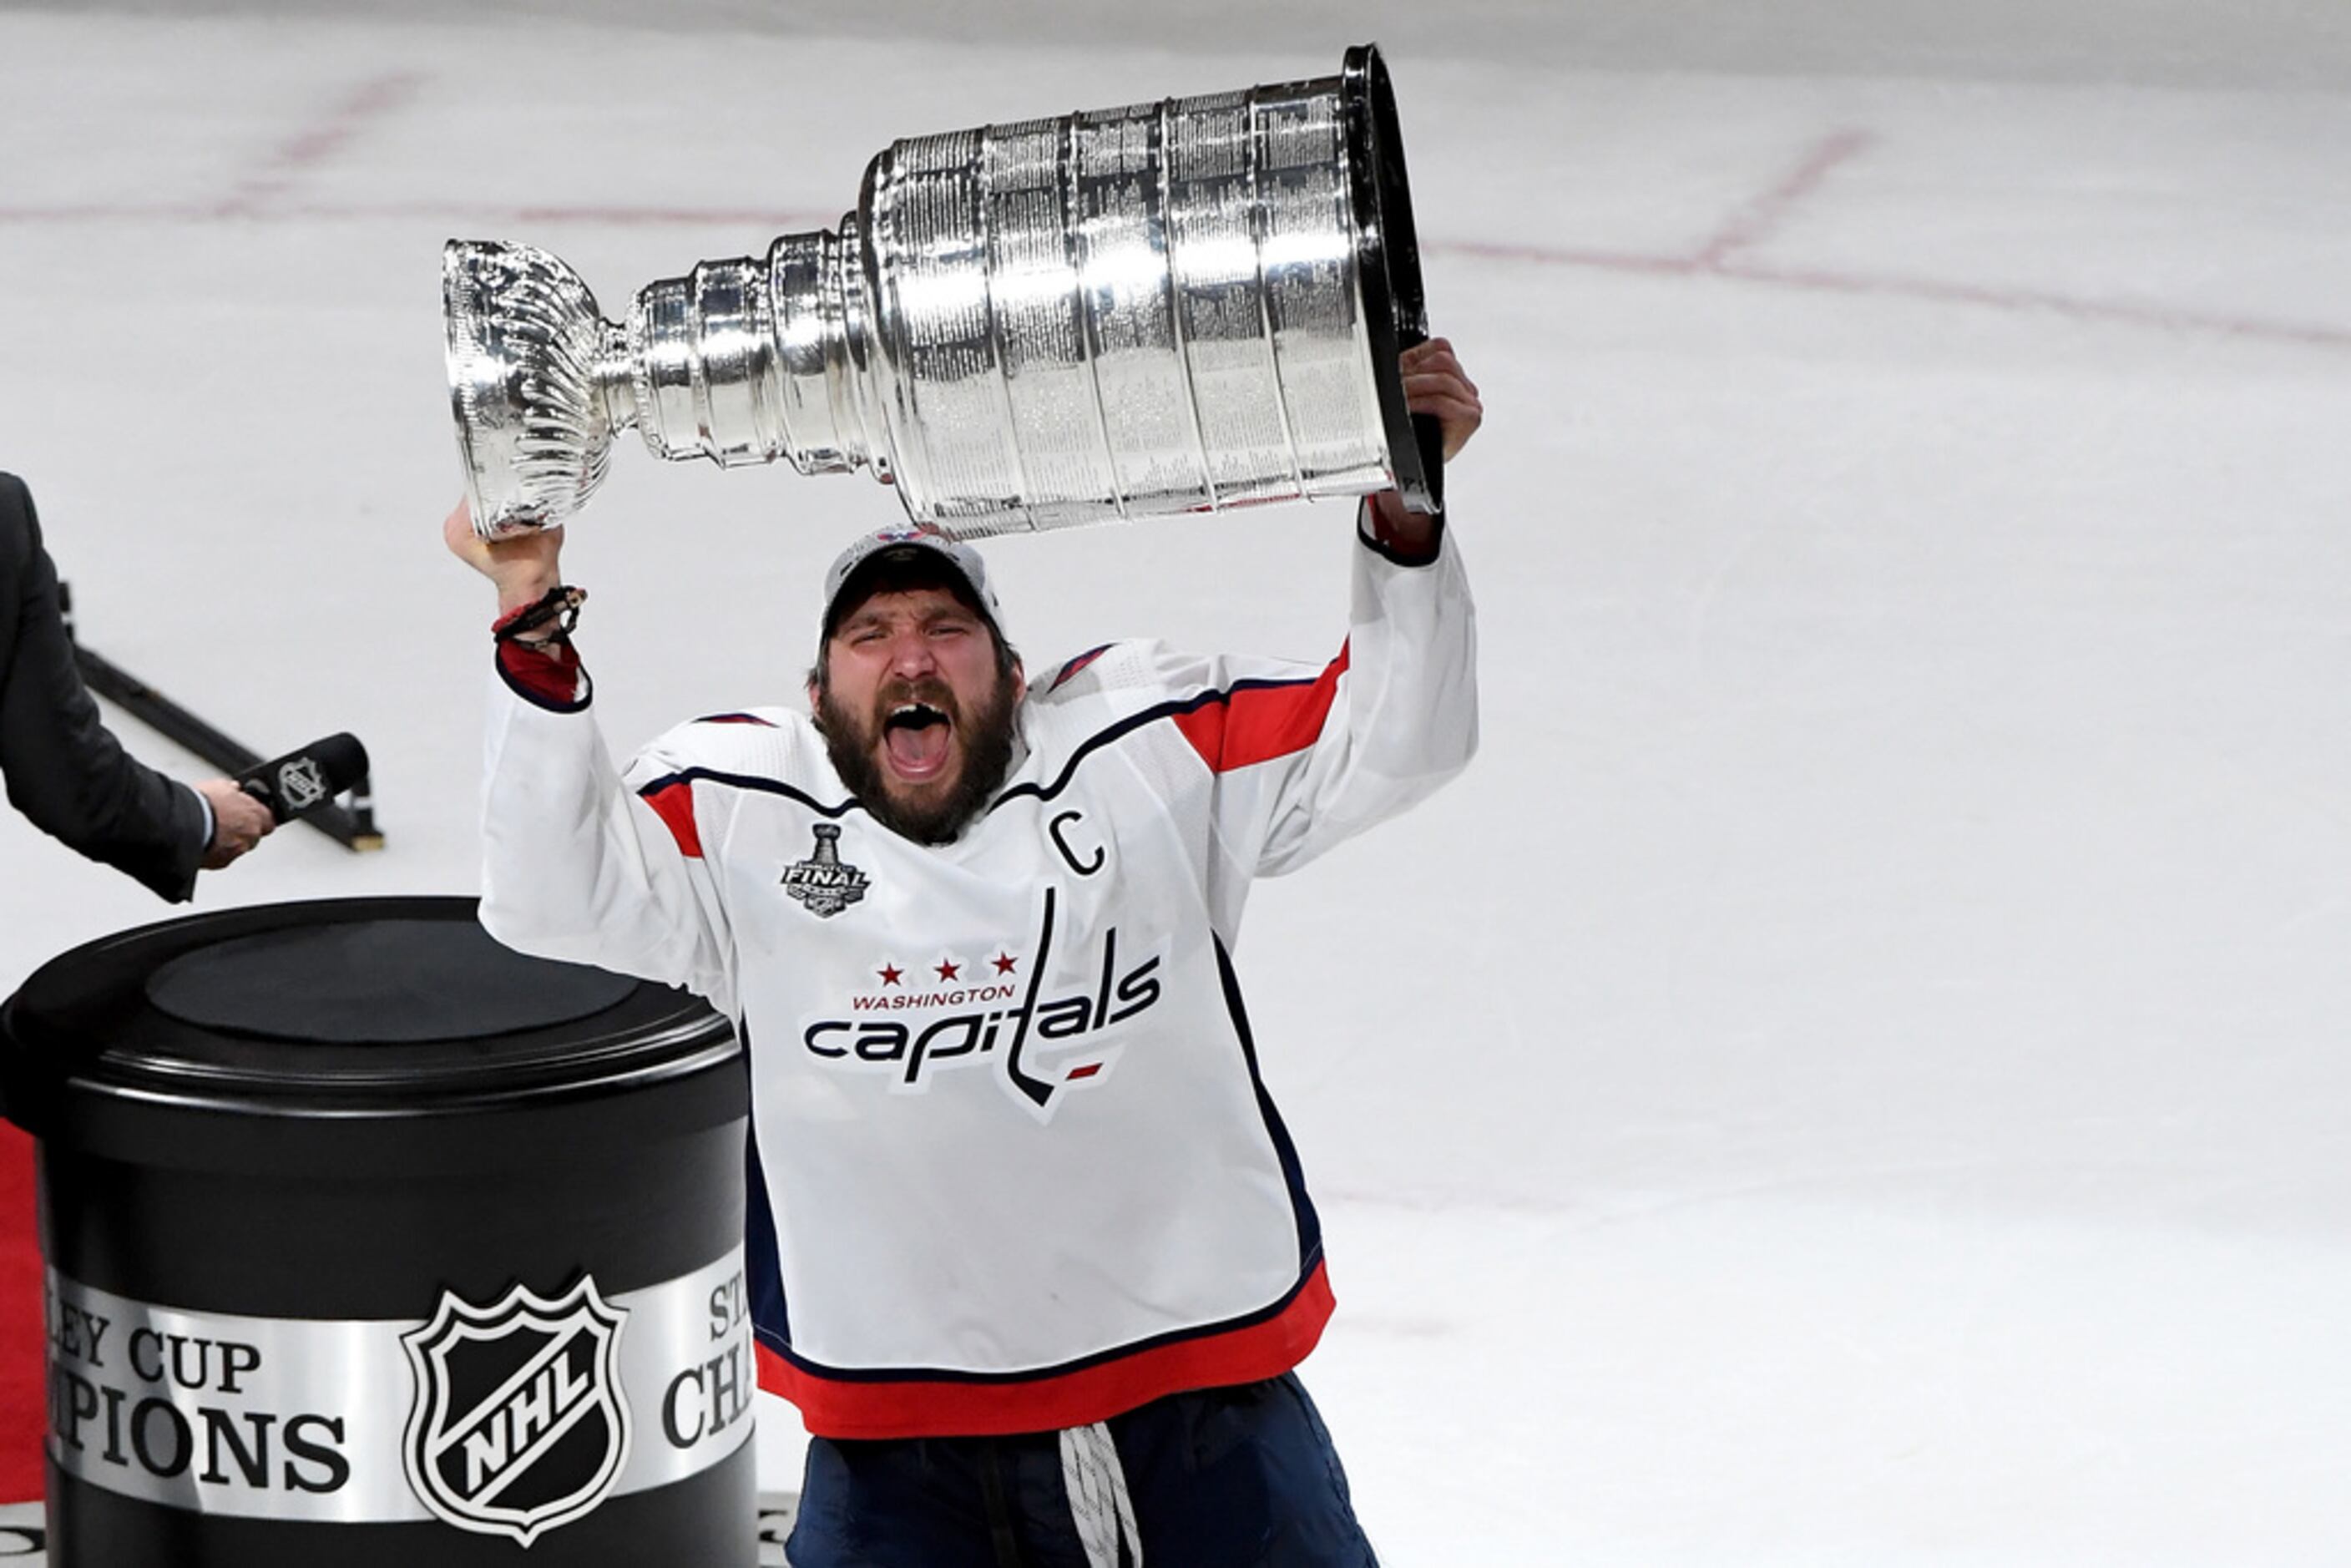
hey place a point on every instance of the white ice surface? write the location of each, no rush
(1855, 1075)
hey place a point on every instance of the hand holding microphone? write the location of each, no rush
(239, 822)
(247, 808)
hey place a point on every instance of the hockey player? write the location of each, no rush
(1030, 1248)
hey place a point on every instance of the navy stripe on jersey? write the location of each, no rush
(1078, 664)
(1310, 1224)
(1174, 708)
(747, 781)
(762, 1253)
(737, 719)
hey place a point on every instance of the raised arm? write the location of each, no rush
(575, 865)
(1306, 757)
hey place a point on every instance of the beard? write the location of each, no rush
(853, 741)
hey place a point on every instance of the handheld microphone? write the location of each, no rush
(307, 776)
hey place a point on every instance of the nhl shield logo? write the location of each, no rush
(824, 882)
(518, 1423)
(300, 784)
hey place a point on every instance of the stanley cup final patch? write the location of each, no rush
(824, 882)
(518, 1425)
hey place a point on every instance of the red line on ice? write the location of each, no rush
(1716, 258)
(1762, 218)
(314, 144)
(2021, 301)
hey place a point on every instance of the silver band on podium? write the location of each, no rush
(511, 1416)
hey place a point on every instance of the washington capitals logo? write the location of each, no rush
(519, 1423)
(824, 882)
(964, 1011)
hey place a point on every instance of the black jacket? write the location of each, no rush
(64, 771)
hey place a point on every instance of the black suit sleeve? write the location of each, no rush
(64, 770)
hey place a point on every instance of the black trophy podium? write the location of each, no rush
(373, 1243)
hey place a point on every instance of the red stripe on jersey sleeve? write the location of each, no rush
(673, 804)
(552, 676)
(1258, 723)
(916, 1408)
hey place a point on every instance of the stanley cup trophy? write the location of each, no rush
(1176, 306)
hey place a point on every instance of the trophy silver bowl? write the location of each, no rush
(1178, 306)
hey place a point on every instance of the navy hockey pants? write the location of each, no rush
(1222, 1478)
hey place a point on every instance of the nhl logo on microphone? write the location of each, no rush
(300, 785)
(518, 1423)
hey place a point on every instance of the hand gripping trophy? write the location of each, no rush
(1176, 306)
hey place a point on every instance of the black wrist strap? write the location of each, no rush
(559, 606)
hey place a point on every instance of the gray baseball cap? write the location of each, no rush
(905, 543)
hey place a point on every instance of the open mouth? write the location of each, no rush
(915, 737)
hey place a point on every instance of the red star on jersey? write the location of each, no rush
(949, 969)
(889, 973)
(1004, 964)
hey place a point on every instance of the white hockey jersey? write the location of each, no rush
(1013, 1169)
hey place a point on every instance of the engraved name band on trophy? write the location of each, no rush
(1177, 307)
